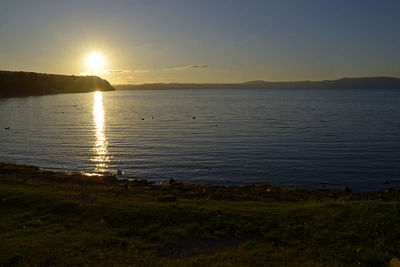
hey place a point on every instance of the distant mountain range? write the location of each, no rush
(344, 83)
(18, 83)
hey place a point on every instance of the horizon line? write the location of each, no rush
(262, 81)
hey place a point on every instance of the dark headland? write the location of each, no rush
(13, 84)
(68, 219)
(344, 83)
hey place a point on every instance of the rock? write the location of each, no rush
(347, 190)
(172, 181)
(394, 262)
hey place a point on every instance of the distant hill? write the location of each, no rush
(344, 83)
(32, 84)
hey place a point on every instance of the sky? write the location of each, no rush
(144, 41)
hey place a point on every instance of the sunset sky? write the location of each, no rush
(202, 41)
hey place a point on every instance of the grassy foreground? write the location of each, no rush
(58, 219)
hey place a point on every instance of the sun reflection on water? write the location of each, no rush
(101, 156)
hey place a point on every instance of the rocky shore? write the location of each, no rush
(186, 190)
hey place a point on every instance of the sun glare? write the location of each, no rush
(101, 156)
(95, 62)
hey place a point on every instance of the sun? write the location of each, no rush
(95, 61)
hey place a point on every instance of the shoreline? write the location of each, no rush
(182, 189)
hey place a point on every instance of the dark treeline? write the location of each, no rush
(344, 83)
(31, 84)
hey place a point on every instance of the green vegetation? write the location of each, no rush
(58, 219)
(20, 83)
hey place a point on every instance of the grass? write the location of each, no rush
(58, 219)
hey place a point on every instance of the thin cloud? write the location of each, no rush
(191, 67)
(141, 71)
(116, 71)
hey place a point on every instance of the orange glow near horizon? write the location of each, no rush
(101, 156)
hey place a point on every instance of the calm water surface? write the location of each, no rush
(292, 138)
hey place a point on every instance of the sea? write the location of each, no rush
(293, 138)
